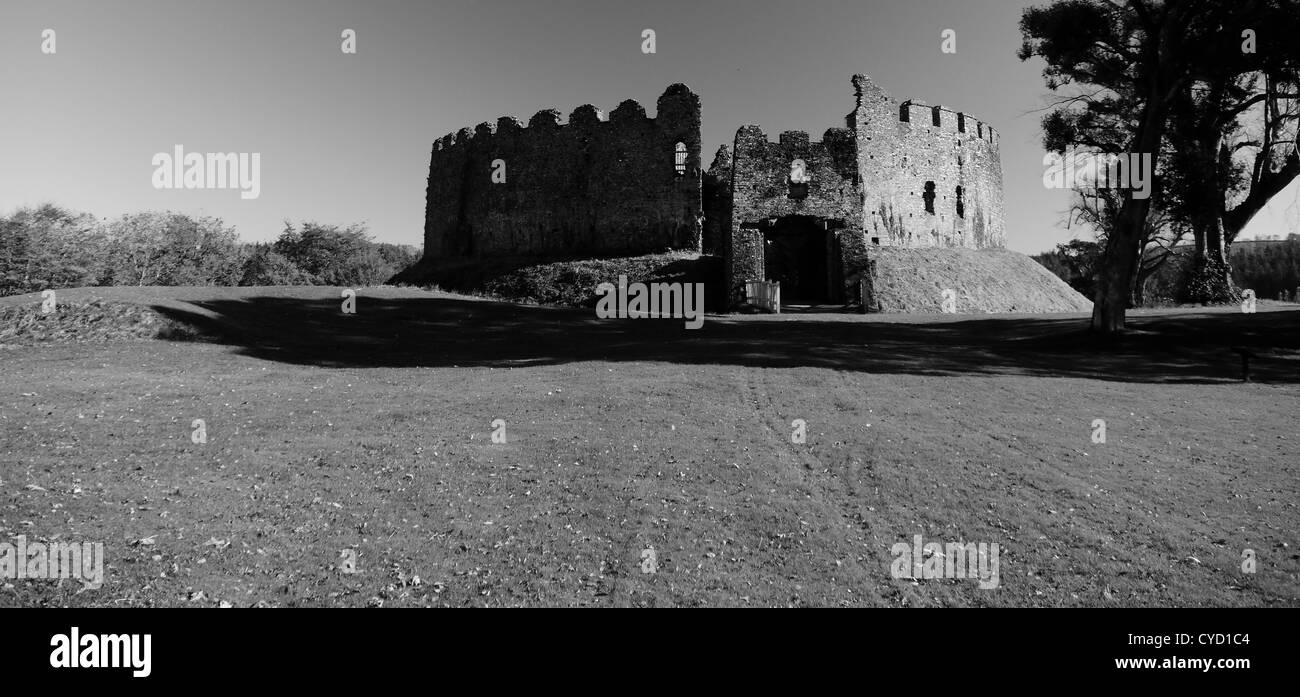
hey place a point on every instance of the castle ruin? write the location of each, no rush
(812, 215)
(620, 185)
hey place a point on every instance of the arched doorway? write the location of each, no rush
(797, 253)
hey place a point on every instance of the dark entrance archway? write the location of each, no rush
(797, 252)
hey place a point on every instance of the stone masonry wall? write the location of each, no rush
(593, 185)
(716, 192)
(903, 146)
(762, 190)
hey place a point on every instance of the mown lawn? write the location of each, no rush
(329, 432)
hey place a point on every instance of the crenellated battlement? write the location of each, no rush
(836, 150)
(794, 140)
(675, 104)
(919, 115)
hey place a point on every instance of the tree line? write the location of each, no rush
(1271, 268)
(48, 246)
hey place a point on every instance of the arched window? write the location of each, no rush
(961, 202)
(929, 197)
(680, 159)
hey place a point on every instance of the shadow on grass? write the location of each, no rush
(1188, 347)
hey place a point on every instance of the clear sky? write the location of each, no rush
(346, 138)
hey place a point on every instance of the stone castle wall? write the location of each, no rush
(900, 175)
(591, 186)
(762, 190)
(716, 192)
(903, 147)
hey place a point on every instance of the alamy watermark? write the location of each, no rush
(1083, 170)
(654, 300)
(933, 560)
(77, 650)
(83, 561)
(214, 170)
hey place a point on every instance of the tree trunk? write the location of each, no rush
(1140, 286)
(1115, 280)
(1124, 244)
(1210, 280)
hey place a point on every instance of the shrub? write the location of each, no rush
(263, 266)
(49, 247)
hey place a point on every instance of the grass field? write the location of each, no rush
(372, 432)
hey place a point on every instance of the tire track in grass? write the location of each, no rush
(829, 517)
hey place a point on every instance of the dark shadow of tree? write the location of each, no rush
(1187, 347)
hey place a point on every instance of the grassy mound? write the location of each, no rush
(985, 281)
(566, 282)
(94, 320)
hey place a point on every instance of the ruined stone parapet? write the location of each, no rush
(795, 175)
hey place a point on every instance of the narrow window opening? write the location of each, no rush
(961, 202)
(929, 197)
(934, 116)
(905, 112)
(680, 159)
